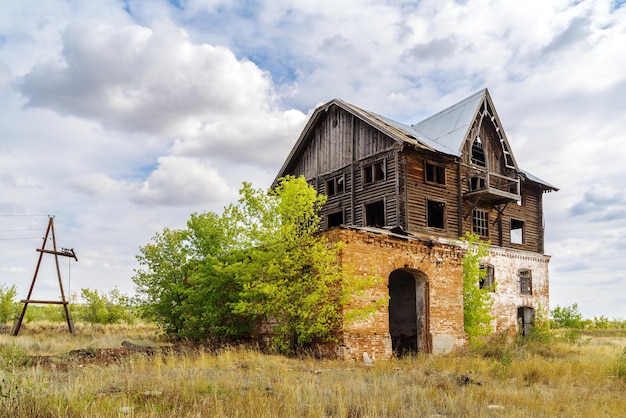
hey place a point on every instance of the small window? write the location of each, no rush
(480, 222)
(477, 183)
(435, 214)
(374, 172)
(435, 173)
(375, 214)
(517, 231)
(334, 219)
(525, 282)
(335, 186)
(478, 153)
(487, 277)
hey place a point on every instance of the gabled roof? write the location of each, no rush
(443, 132)
(449, 127)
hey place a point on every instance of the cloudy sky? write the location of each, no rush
(124, 117)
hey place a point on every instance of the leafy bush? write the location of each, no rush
(620, 367)
(9, 308)
(477, 302)
(101, 308)
(567, 317)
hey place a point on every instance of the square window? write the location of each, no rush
(374, 172)
(435, 214)
(334, 219)
(435, 173)
(335, 186)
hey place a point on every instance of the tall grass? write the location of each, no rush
(556, 380)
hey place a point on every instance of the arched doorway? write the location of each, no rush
(408, 318)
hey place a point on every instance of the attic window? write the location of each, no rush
(478, 153)
(435, 173)
(374, 172)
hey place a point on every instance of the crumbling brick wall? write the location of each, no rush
(372, 254)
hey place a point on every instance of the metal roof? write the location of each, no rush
(443, 132)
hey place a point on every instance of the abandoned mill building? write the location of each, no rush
(399, 198)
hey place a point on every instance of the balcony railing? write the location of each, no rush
(492, 187)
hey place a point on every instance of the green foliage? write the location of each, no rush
(102, 308)
(540, 331)
(261, 260)
(477, 302)
(9, 308)
(291, 277)
(12, 356)
(567, 317)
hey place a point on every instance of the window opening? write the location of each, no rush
(335, 186)
(480, 224)
(375, 214)
(334, 219)
(478, 153)
(374, 172)
(435, 213)
(487, 277)
(517, 231)
(435, 173)
(525, 282)
(477, 183)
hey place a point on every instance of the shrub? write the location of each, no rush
(8, 306)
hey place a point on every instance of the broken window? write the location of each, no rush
(334, 219)
(374, 172)
(375, 214)
(435, 214)
(478, 153)
(525, 282)
(477, 183)
(486, 277)
(335, 186)
(517, 231)
(480, 222)
(435, 173)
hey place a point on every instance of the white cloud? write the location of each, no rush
(141, 112)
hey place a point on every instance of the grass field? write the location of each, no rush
(587, 379)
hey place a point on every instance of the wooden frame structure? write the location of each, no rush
(64, 252)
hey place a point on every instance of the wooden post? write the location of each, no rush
(63, 301)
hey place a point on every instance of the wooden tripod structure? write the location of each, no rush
(64, 252)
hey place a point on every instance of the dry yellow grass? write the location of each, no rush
(533, 381)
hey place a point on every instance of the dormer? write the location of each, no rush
(493, 175)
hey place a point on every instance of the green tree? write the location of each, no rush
(477, 302)
(291, 276)
(8, 306)
(567, 317)
(261, 261)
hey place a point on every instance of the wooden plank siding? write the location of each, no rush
(419, 191)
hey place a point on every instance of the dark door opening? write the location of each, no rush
(525, 319)
(407, 313)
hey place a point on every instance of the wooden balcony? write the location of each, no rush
(492, 188)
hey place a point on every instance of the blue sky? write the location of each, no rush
(124, 117)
